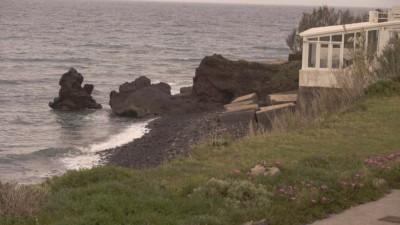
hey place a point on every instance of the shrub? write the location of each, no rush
(384, 87)
(390, 60)
(21, 201)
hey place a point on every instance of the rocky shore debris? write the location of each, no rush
(72, 96)
(241, 110)
(171, 136)
(283, 97)
(246, 109)
(218, 79)
(267, 114)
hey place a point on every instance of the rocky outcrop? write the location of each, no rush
(72, 96)
(140, 98)
(220, 80)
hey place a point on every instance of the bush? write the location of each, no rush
(21, 201)
(384, 87)
(390, 60)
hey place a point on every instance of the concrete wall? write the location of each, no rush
(318, 78)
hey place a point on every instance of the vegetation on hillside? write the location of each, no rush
(343, 160)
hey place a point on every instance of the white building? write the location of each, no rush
(328, 50)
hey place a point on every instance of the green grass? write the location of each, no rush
(319, 166)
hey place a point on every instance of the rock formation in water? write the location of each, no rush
(220, 80)
(140, 98)
(72, 96)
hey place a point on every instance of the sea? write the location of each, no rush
(109, 43)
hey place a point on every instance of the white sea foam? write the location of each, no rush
(135, 131)
(88, 157)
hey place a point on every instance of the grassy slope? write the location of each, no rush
(319, 166)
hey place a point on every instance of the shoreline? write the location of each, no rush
(169, 137)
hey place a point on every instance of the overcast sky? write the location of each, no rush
(352, 3)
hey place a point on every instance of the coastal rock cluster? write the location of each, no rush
(218, 79)
(72, 96)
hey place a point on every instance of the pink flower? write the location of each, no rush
(361, 185)
(282, 190)
(324, 198)
(277, 162)
(388, 168)
(353, 184)
(293, 198)
(313, 201)
(303, 183)
(236, 171)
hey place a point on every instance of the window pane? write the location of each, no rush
(312, 55)
(337, 38)
(348, 49)
(373, 36)
(323, 63)
(335, 56)
(359, 40)
(349, 41)
(313, 39)
(326, 38)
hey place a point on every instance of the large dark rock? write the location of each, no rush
(220, 80)
(72, 96)
(140, 98)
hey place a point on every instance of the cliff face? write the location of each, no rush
(220, 80)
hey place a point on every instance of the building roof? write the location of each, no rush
(346, 28)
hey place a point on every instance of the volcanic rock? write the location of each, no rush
(140, 98)
(220, 80)
(72, 96)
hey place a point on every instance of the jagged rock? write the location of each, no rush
(220, 80)
(140, 98)
(72, 96)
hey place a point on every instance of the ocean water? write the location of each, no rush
(109, 43)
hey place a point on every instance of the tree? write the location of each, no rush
(320, 17)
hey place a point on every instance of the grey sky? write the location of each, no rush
(351, 3)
